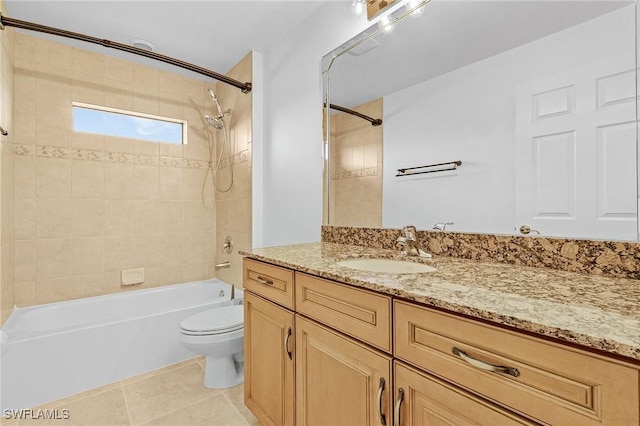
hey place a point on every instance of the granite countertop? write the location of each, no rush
(588, 310)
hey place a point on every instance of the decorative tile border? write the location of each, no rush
(606, 258)
(370, 171)
(120, 157)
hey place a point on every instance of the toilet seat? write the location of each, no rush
(221, 320)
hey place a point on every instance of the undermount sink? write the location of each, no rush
(388, 266)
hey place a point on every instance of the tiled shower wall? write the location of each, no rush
(88, 206)
(355, 184)
(6, 173)
(233, 207)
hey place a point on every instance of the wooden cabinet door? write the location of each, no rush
(424, 400)
(269, 382)
(339, 381)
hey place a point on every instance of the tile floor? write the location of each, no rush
(170, 396)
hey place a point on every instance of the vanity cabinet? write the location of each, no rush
(551, 383)
(269, 366)
(422, 399)
(340, 381)
(318, 352)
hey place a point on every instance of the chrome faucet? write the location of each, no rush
(441, 226)
(409, 243)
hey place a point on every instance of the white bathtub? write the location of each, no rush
(59, 349)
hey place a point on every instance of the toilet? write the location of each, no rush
(218, 334)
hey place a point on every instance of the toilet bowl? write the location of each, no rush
(218, 334)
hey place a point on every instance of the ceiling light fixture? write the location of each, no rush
(387, 24)
(415, 7)
(142, 44)
(358, 6)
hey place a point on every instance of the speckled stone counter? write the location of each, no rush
(588, 310)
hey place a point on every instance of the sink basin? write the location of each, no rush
(388, 266)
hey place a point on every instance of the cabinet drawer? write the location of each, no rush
(271, 282)
(426, 400)
(359, 313)
(554, 384)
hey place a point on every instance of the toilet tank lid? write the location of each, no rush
(215, 319)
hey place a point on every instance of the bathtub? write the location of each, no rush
(59, 349)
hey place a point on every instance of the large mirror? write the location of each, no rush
(530, 105)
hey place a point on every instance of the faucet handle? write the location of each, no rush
(441, 226)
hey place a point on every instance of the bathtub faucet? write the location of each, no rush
(223, 265)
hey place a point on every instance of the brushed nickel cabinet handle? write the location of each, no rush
(383, 420)
(263, 281)
(286, 344)
(396, 413)
(485, 365)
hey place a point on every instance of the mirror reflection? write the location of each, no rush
(535, 99)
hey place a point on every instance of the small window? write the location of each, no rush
(127, 124)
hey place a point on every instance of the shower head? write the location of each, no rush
(215, 100)
(215, 122)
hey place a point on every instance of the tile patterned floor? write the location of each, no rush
(173, 395)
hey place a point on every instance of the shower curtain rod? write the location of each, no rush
(373, 121)
(10, 22)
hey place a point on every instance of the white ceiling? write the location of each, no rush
(210, 33)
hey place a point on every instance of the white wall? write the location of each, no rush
(469, 115)
(291, 169)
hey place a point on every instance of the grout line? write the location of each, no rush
(182, 408)
(234, 407)
(126, 403)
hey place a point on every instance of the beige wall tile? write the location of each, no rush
(88, 256)
(87, 179)
(170, 274)
(51, 53)
(170, 214)
(145, 216)
(120, 70)
(79, 222)
(54, 218)
(115, 144)
(170, 249)
(25, 219)
(90, 285)
(145, 251)
(25, 294)
(118, 253)
(54, 259)
(170, 183)
(88, 218)
(53, 178)
(145, 182)
(24, 176)
(196, 271)
(170, 150)
(87, 141)
(118, 178)
(24, 51)
(24, 261)
(192, 183)
(118, 217)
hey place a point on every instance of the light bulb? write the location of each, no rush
(412, 5)
(386, 24)
(357, 7)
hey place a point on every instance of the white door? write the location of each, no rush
(576, 153)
